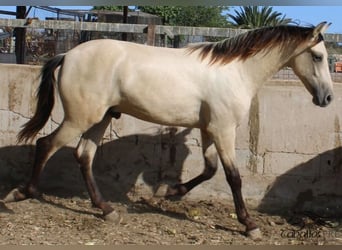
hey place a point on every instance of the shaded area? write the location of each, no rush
(312, 188)
(121, 167)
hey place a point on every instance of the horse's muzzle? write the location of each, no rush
(323, 100)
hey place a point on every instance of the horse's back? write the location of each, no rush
(150, 83)
(110, 47)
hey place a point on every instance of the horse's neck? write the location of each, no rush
(261, 67)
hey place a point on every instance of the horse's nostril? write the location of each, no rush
(323, 102)
(328, 99)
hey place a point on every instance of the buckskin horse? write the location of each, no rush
(207, 86)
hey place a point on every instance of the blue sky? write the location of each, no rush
(304, 15)
(314, 15)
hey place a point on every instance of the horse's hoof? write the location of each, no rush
(15, 195)
(254, 234)
(161, 191)
(113, 217)
(169, 192)
(178, 190)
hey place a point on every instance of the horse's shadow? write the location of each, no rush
(312, 188)
(121, 166)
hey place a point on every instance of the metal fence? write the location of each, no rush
(289, 75)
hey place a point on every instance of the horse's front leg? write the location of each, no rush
(225, 144)
(210, 159)
(84, 154)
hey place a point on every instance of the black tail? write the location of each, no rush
(46, 100)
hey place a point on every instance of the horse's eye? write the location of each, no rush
(316, 58)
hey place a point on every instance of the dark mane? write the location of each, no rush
(252, 42)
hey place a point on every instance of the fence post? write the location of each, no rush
(20, 37)
(125, 20)
(176, 42)
(151, 34)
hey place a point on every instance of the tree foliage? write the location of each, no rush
(167, 13)
(249, 17)
(197, 16)
(205, 16)
(110, 8)
(202, 16)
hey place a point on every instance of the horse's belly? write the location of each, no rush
(173, 115)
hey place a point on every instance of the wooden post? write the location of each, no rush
(165, 40)
(124, 20)
(151, 34)
(20, 37)
(176, 42)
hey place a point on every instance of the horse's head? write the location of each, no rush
(311, 66)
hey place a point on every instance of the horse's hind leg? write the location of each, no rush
(210, 159)
(45, 148)
(84, 154)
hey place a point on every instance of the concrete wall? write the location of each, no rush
(288, 150)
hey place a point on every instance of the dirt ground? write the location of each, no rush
(72, 221)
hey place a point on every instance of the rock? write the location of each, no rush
(271, 223)
(194, 213)
(233, 215)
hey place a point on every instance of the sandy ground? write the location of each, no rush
(73, 221)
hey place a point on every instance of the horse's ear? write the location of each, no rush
(320, 29)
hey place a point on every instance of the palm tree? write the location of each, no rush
(250, 17)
